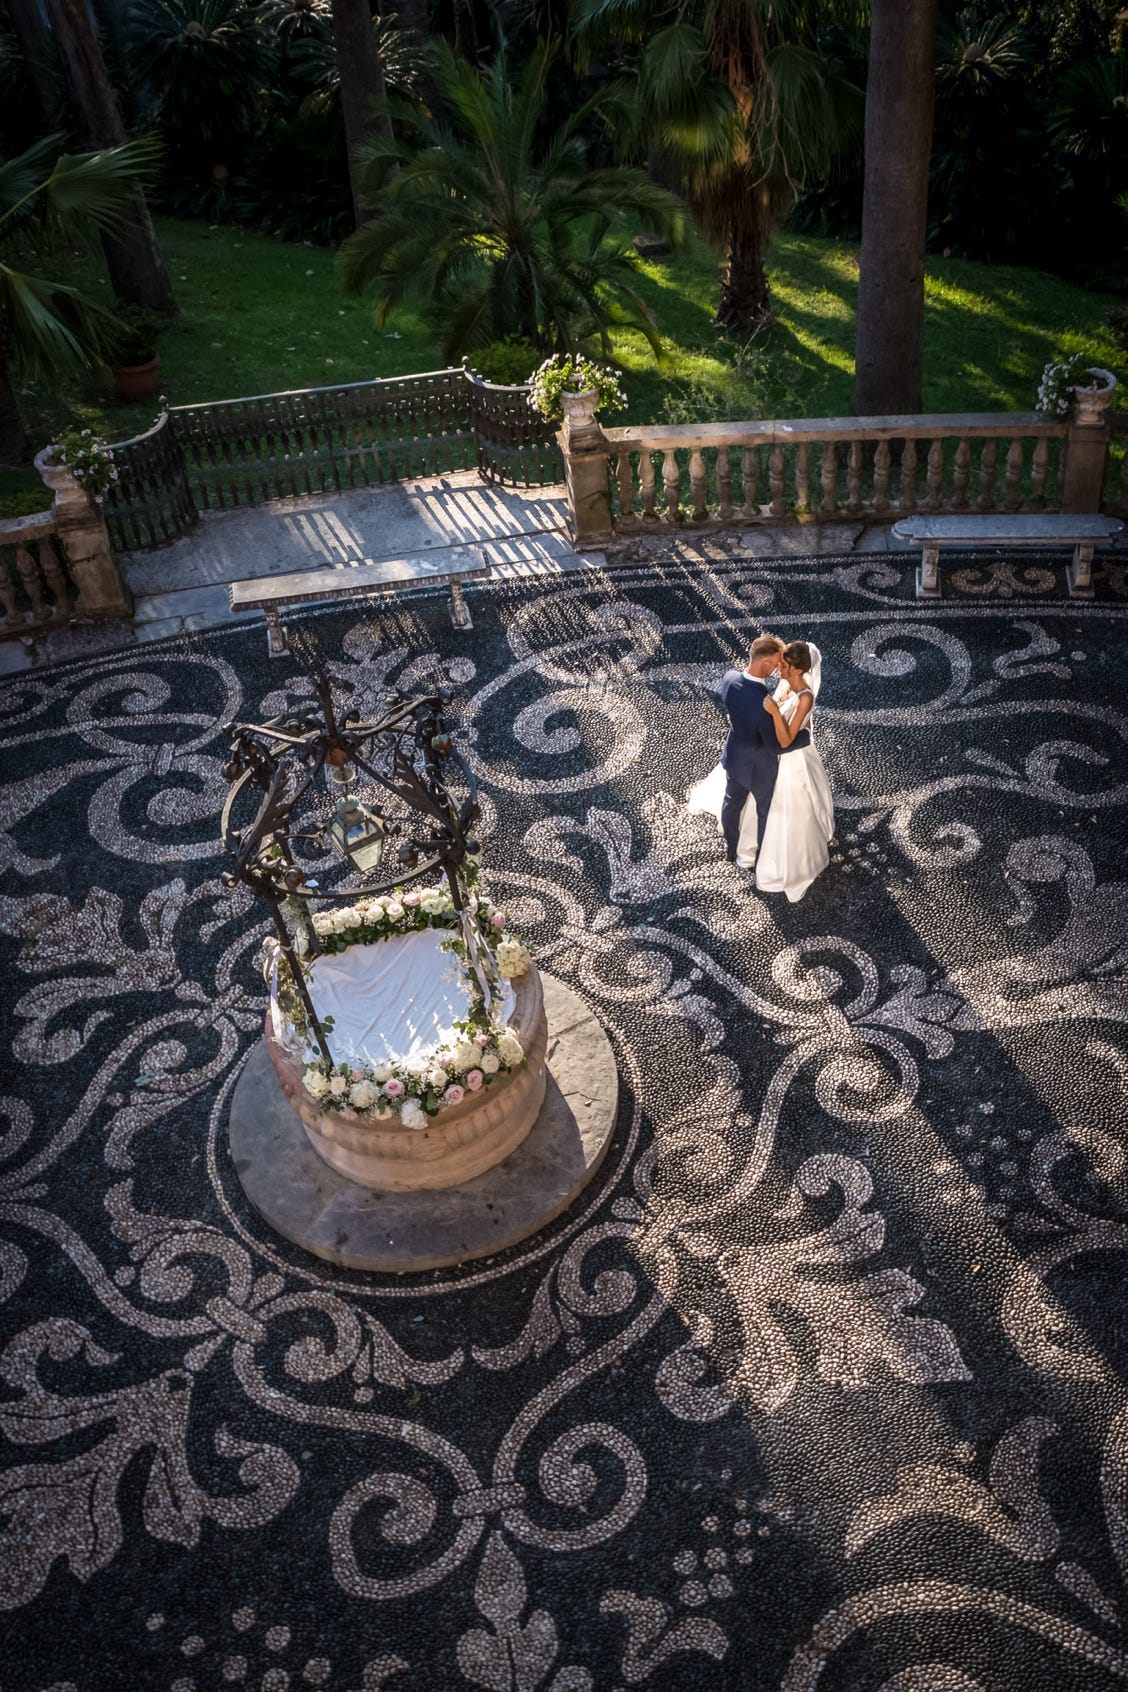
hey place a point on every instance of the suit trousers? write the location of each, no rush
(734, 801)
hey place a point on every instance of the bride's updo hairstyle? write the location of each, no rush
(798, 654)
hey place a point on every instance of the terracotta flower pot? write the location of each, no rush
(137, 381)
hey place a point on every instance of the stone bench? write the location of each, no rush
(1081, 532)
(270, 594)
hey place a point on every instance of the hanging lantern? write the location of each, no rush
(359, 834)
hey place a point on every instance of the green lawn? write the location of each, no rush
(259, 316)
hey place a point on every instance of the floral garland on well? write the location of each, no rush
(417, 1088)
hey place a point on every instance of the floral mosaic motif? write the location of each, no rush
(824, 1374)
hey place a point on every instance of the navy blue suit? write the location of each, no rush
(751, 754)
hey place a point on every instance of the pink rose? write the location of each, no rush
(453, 1095)
(474, 1080)
(394, 1087)
(356, 1074)
(482, 1041)
(498, 919)
(411, 900)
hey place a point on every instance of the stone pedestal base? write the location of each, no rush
(309, 1203)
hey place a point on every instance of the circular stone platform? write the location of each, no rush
(305, 1201)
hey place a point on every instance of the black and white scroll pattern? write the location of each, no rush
(820, 1386)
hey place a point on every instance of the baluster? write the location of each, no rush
(961, 472)
(749, 481)
(724, 484)
(56, 579)
(9, 597)
(697, 485)
(935, 475)
(626, 489)
(775, 479)
(1059, 476)
(854, 478)
(881, 479)
(646, 484)
(828, 470)
(1012, 481)
(1038, 471)
(32, 585)
(671, 483)
(907, 501)
(988, 458)
(803, 478)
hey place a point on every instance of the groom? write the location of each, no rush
(751, 754)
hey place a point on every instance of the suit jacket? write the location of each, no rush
(751, 751)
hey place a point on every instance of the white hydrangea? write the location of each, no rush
(362, 1094)
(315, 1083)
(417, 1065)
(382, 1073)
(437, 1077)
(465, 1056)
(513, 958)
(412, 1114)
(509, 1049)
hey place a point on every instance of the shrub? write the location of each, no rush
(89, 459)
(135, 334)
(561, 374)
(511, 361)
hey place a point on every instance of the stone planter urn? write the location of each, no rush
(579, 409)
(59, 478)
(1093, 401)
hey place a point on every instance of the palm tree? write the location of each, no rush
(48, 326)
(500, 227)
(740, 98)
(889, 332)
(133, 257)
(362, 90)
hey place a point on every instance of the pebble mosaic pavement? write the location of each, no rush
(820, 1385)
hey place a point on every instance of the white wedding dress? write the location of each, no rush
(801, 818)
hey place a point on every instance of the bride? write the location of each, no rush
(801, 816)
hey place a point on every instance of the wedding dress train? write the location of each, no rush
(801, 818)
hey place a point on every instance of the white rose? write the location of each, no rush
(489, 1063)
(465, 1056)
(382, 1073)
(338, 1086)
(322, 922)
(315, 1083)
(361, 1094)
(509, 1049)
(437, 1077)
(338, 922)
(393, 910)
(412, 1114)
(375, 910)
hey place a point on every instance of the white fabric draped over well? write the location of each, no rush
(391, 999)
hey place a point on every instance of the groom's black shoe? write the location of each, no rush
(731, 856)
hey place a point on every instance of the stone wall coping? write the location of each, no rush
(956, 425)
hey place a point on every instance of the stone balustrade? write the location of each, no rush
(623, 481)
(58, 565)
(35, 589)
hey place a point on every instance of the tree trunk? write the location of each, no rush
(900, 91)
(38, 54)
(137, 270)
(14, 448)
(362, 82)
(745, 302)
